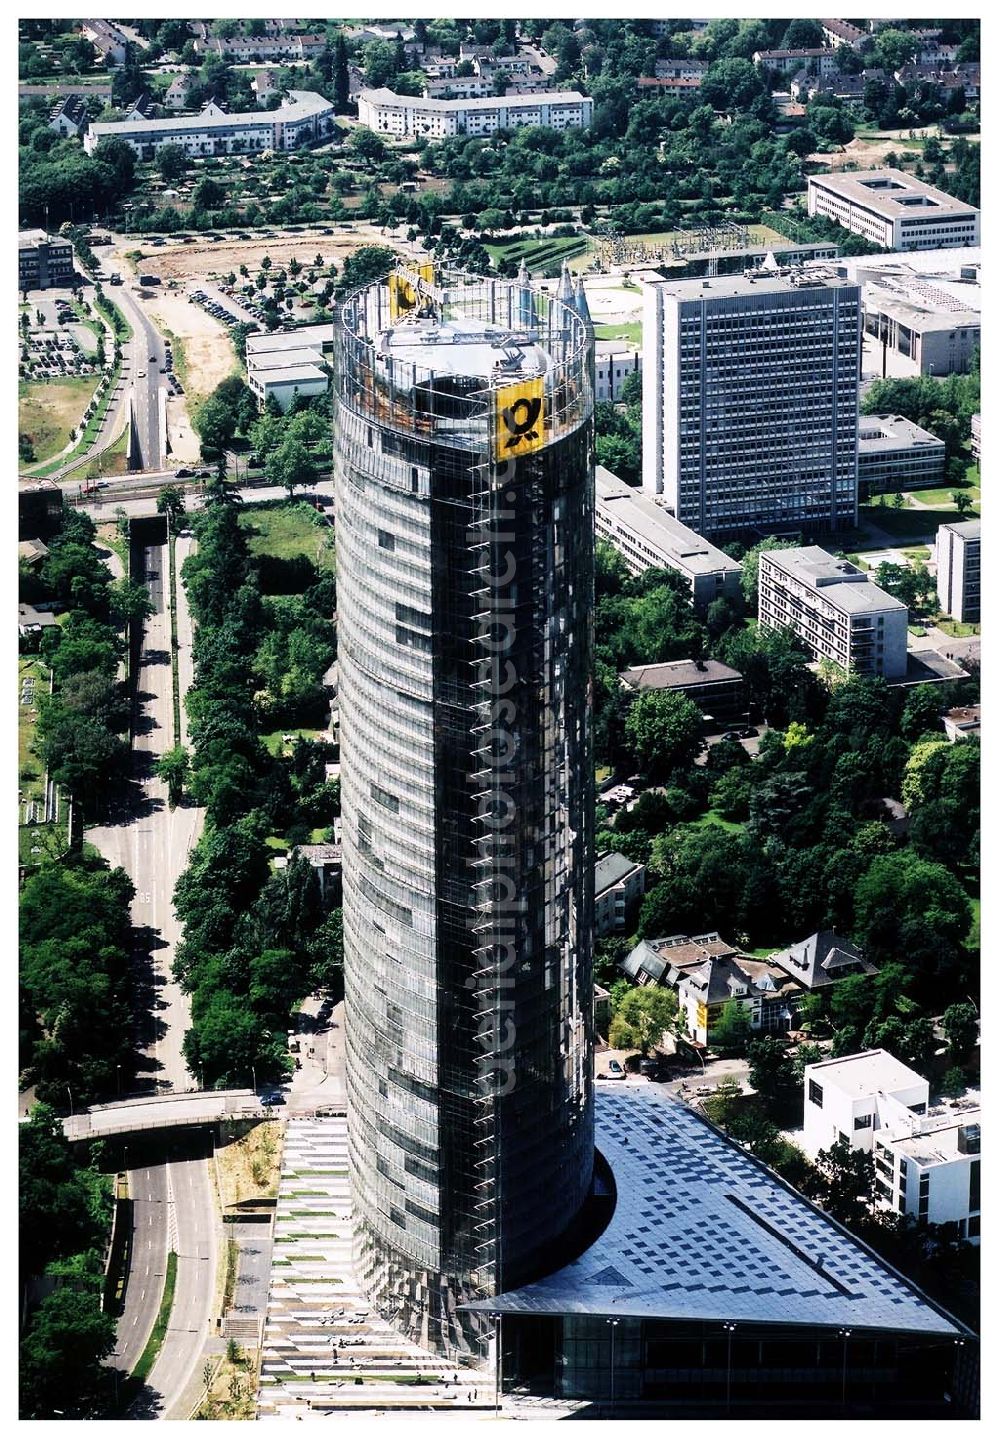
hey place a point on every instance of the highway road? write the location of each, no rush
(147, 371)
(152, 843)
(194, 1229)
(147, 1187)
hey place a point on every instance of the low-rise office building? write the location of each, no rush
(892, 209)
(618, 885)
(287, 364)
(958, 569)
(43, 261)
(716, 689)
(976, 432)
(895, 454)
(645, 534)
(387, 113)
(831, 605)
(302, 118)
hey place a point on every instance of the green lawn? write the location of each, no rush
(950, 627)
(544, 254)
(973, 938)
(291, 529)
(30, 768)
(941, 496)
(49, 410)
(624, 330)
(712, 818)
(908, 523)
(274, 744)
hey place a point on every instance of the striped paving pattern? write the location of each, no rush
(325, 1349)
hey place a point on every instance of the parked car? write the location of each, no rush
(272, 1098)
(181, 472)
(732, 736)
(748, 734)
(615, 1068)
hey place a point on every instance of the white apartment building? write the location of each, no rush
(750, 401)
(832, 606)
(976, 444)
(645, 534)
(926, 1158)
(302, 118)
(892, 209)
(789, 62)
(389, 114)
(958, 556)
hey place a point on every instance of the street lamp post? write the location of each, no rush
(730, 1329)
(498, 1377)
(614, 1326)
(72, 1109)
(253, 1074)
(845, 1333)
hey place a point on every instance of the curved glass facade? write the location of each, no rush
(465, 532)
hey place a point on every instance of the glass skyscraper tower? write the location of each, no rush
(465, 536)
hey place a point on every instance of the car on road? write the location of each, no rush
(272, 1098)
(748, 734)
(615, 1068)
(153, 357)
(731, 736)
(181, 472)
(139, 375)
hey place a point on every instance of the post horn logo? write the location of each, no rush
(520, 417)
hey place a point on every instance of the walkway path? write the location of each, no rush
(325, 1348)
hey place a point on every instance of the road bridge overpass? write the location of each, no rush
(134, 1115)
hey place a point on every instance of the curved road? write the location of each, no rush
(147, 1187)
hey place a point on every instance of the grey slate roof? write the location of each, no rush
(822, 959)
(701, 1231)
(610, 868)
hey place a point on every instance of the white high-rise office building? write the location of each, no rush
(750, 402)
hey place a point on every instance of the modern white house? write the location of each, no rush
(926, 1157)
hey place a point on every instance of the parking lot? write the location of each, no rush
(56, 341)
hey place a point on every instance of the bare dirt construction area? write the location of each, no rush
(203, 258)
(867, 152)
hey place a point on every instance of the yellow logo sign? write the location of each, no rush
(404, 296)
(520, 418)
(702, 1015)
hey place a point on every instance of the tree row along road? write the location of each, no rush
(152, 843)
